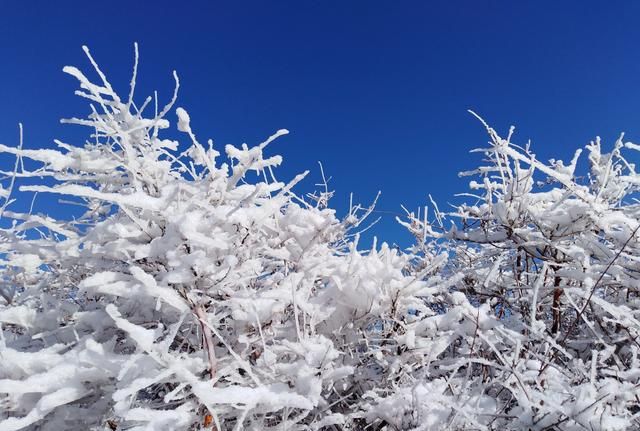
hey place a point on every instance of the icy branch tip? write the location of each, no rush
(273, 137)
(183, 120)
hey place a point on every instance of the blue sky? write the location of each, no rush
(377, 91)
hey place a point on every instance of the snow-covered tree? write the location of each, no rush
(191, 292)
(544, 262)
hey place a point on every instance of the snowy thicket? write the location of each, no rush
(197, 291)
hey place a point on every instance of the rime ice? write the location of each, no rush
(189, 292)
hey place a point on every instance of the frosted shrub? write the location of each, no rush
(544, 267)
(194, 291)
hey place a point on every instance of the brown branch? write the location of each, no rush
(207, 340)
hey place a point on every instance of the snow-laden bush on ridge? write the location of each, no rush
(199, 292)
(185, 291)
(550, 261)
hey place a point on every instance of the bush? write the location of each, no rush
(196, 291)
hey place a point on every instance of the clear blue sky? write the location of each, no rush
(378, 91)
